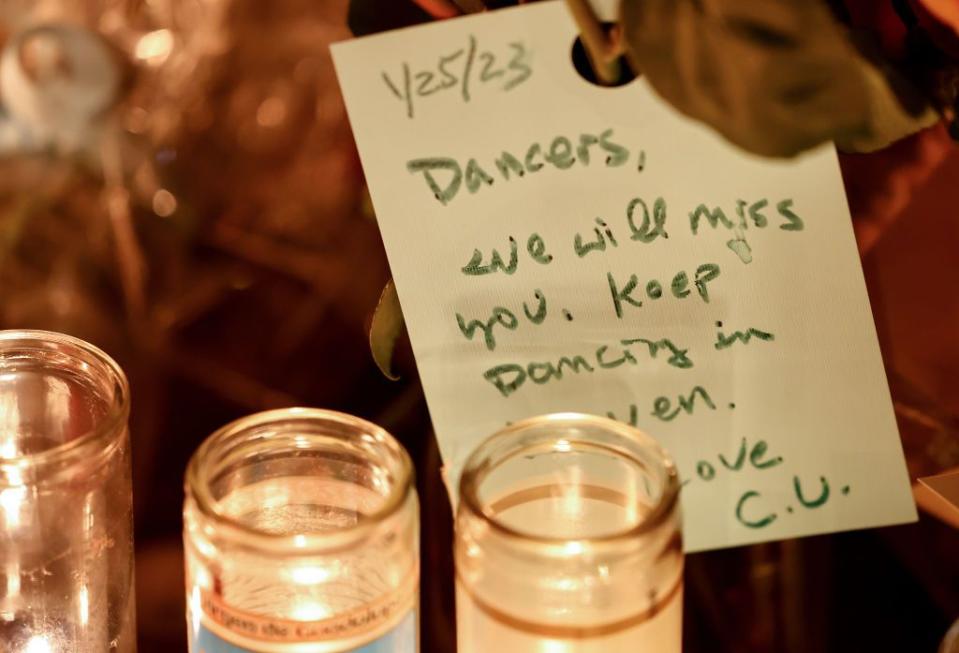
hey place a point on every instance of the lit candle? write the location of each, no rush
(301, 535)
(568, 541)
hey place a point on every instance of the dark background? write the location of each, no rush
(257, 293)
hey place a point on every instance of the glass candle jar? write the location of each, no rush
(66, 536)
(301, 534)
(568, 540)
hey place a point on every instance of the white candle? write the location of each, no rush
(480, 631)
(568, 541)
(300, 531)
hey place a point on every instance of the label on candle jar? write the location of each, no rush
(373, 628)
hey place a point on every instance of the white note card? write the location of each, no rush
(559, 246)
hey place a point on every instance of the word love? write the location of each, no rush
(460, 69)
(756, 457)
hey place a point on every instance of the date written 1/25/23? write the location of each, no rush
(461, 69)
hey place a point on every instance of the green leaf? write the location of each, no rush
(775, 77)
(890, 118)
(386, 329)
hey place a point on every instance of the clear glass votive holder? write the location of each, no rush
(568, 540)
(66, 509)
(301, 534)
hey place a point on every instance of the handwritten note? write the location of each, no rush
(558, 246)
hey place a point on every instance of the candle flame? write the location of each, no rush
(310, 611)
(84, 601)
(11, 500)
(13, 581)
(38, 644)
(196, 608)
(8, 449)
(310, 575)
(574, 548)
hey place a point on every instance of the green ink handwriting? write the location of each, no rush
(644, 233)
(603, 235)
(475, 266)
(623, 294)
(507, 378)
(818, 501)
(476, 176)
(794, 222)
(724, 341)
(769, 518)
(535, 247)
(429, 166)
(762, 522)
(633, 415)
(746, 211)
(514, 73)
(714, 217)
(755, 454)
(663, 406)
(561, 154)
(678, 357)
(503, 317)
